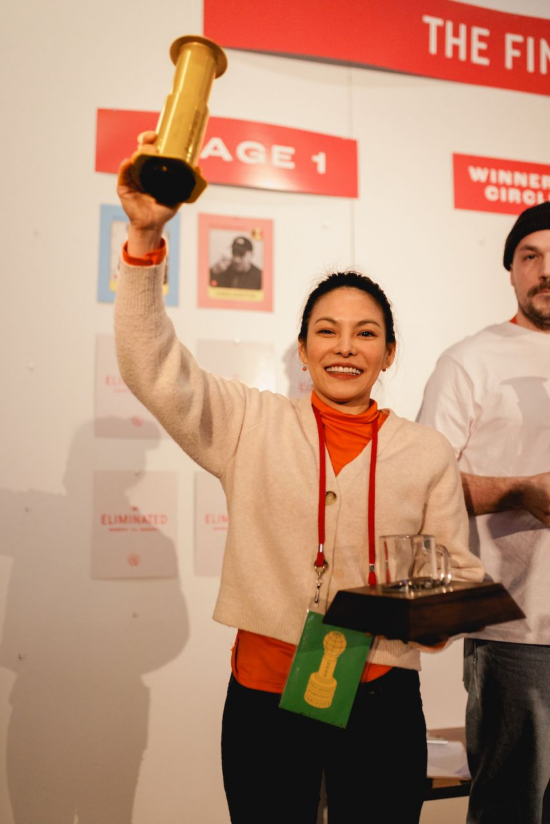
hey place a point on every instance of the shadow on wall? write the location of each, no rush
(79, 648)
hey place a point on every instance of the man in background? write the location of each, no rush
(237, 271)
(490, 396)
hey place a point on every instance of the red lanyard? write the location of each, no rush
(321, 563)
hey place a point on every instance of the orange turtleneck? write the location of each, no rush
(263, 663)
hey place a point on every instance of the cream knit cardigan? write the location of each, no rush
(264, 449)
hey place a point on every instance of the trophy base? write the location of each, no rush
(168, 179)
(427, 616)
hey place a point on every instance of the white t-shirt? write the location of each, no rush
(490, 396)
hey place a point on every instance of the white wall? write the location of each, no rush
(111, 692)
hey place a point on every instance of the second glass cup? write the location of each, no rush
(414, 562)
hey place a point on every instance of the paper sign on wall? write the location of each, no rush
(118, 413)
(433, 38)
(134, 525)
(250, 363)
(488, 184)
(245, 153)
(211, 523)
(299, 382)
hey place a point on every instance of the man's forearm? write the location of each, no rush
(484, 495)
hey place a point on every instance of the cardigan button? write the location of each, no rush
(330, 498)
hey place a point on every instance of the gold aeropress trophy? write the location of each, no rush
(171, 174)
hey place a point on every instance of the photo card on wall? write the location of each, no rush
(235, 263)
(113, 232)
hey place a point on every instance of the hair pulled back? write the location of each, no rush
(349, 280)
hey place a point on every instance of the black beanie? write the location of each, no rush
(534, 219)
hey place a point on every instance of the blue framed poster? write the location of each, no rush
(112, 235)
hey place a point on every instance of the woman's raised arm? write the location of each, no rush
(202, 412)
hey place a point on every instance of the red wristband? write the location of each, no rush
(150, 259)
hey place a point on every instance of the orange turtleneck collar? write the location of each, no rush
(347, 435)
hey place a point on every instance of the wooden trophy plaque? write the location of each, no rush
(425, 615)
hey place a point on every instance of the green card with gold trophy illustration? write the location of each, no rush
(326, 671)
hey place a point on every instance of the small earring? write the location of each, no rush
(304, 367)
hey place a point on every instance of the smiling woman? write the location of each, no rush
(300, 478)
(346, 339)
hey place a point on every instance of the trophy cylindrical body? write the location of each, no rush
(171, 174)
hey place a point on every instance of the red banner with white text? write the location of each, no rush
(487, 184)
(432, 38)
(244, 153)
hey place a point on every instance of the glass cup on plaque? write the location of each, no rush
(417, 562)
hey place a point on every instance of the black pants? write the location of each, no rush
(375, 770)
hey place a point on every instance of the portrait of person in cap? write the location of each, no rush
(237, 271)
